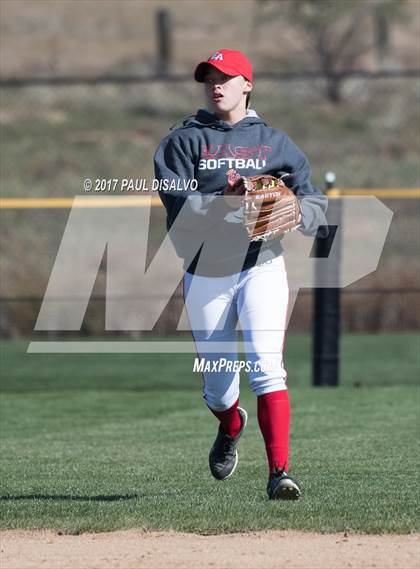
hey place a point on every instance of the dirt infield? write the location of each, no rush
(161, 550)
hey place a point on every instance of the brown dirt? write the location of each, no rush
(159, 550)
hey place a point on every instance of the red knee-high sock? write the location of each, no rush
(274, 421)
(229, 419)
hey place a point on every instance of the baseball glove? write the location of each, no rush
(271, 209)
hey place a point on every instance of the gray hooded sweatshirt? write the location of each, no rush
(206, 233)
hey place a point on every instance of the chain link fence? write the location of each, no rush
(53, 136)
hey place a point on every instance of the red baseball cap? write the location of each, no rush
(228, 61)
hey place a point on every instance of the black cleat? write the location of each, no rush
(283, 487)
(223, 456)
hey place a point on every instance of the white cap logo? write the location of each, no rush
(217, 56)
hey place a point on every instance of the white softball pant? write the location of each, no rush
(258, 299)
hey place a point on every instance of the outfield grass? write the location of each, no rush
(106, 442)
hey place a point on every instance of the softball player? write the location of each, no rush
(228, 280)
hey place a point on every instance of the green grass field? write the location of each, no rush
(100, 442)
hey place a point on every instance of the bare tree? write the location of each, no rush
(337, 33)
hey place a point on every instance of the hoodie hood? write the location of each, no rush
(205, 118)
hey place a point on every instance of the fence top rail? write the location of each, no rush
(271, 75)
(95, 201)
(392, 193)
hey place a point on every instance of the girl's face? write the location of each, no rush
(225, 93)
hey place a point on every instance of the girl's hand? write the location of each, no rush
(234, 189)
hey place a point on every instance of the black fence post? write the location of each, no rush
(326, 326)
(164, 44)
